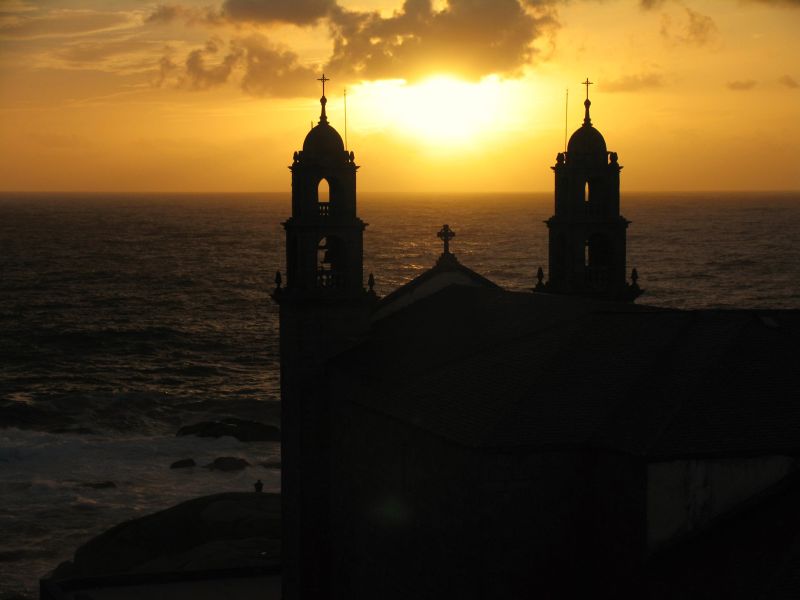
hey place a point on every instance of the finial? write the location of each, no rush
(446, 234)
(587, 121)
(323, 118)
(371, 283)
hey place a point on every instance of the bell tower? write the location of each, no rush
(587, 233)
(324, 247)
(324, 308)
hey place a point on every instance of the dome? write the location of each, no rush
(323, 141)
(587, 140)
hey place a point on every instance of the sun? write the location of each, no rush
(440, 111)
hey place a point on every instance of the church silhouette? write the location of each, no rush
(455, 439)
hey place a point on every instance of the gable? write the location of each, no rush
(445, 273)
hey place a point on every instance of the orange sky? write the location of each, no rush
(449, 95)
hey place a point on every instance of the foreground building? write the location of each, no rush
(454, 439)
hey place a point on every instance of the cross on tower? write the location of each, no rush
(323, 79)
(587, 83)
(446, 234)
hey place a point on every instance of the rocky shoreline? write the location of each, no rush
(211, 532)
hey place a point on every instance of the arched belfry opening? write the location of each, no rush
(331, 263)
(323, 191)
(587, 232)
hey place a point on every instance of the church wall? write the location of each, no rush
(414, 515)
(579, 526)
(685, 495)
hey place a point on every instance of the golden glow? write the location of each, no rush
(95, 95)
(440, 111)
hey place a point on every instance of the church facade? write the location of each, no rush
(457, 439)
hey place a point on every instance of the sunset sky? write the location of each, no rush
(442, 95)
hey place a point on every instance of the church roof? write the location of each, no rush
(488, 368)
(446, 272)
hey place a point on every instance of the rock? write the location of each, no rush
(228, 463)
(75, 430)
(99, 485)
(183, 463)
(196, 533)
(242, 430)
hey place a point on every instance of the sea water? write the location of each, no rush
(123, 317)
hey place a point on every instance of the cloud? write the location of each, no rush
(94, 52)
(55, 23)
(470, 38)
(200, 75)
(634, 83)
(743, 85)
(789, 82)
(271, 71)
(261, 68)
(164, 14)
(298, 12)
(696, 29)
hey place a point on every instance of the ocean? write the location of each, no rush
(124, 317)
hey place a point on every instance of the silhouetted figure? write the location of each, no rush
(259, 486)
(278, 280)
(371, 283)
(540, 279)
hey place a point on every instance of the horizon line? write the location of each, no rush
(399, 193)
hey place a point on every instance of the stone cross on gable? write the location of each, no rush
(446, 234)
(323, 79)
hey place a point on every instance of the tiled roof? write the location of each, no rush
(496, 369)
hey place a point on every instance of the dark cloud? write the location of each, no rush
(695, 29)
(261, 68)
(650, 4)
(299, 12)
(742, 86)
(789, 82)
(634, 83)
(471, 38)
(270, 71)
(200, 75)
